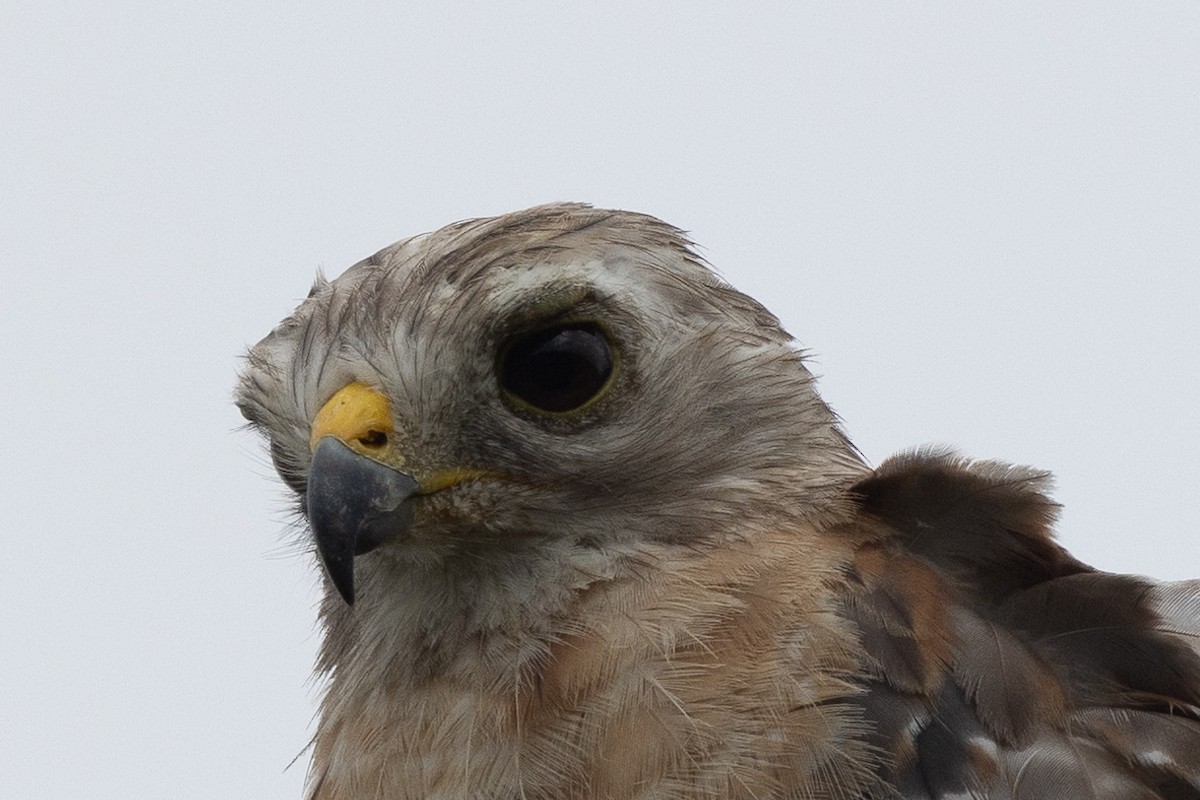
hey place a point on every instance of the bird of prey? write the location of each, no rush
(588, 531)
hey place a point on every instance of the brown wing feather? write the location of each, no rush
(1001, 667)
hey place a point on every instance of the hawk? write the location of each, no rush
(589, 531)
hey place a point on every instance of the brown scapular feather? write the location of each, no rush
(1060, 682)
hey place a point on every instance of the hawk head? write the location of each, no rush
(533, 397)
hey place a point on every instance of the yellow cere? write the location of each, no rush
(358, 415)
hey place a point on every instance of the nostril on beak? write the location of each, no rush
(373, 439)
(357, 415)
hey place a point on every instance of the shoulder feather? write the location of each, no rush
(999, 666)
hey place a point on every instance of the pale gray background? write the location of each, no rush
(982, 221)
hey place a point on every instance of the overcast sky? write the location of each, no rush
(984, 223)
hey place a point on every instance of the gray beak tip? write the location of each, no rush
(354, 505)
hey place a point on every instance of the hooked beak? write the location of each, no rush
(359, 495)
(355, 504)
(355, 500)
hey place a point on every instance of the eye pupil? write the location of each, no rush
(557, 369)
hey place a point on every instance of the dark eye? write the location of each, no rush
(557, 369)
